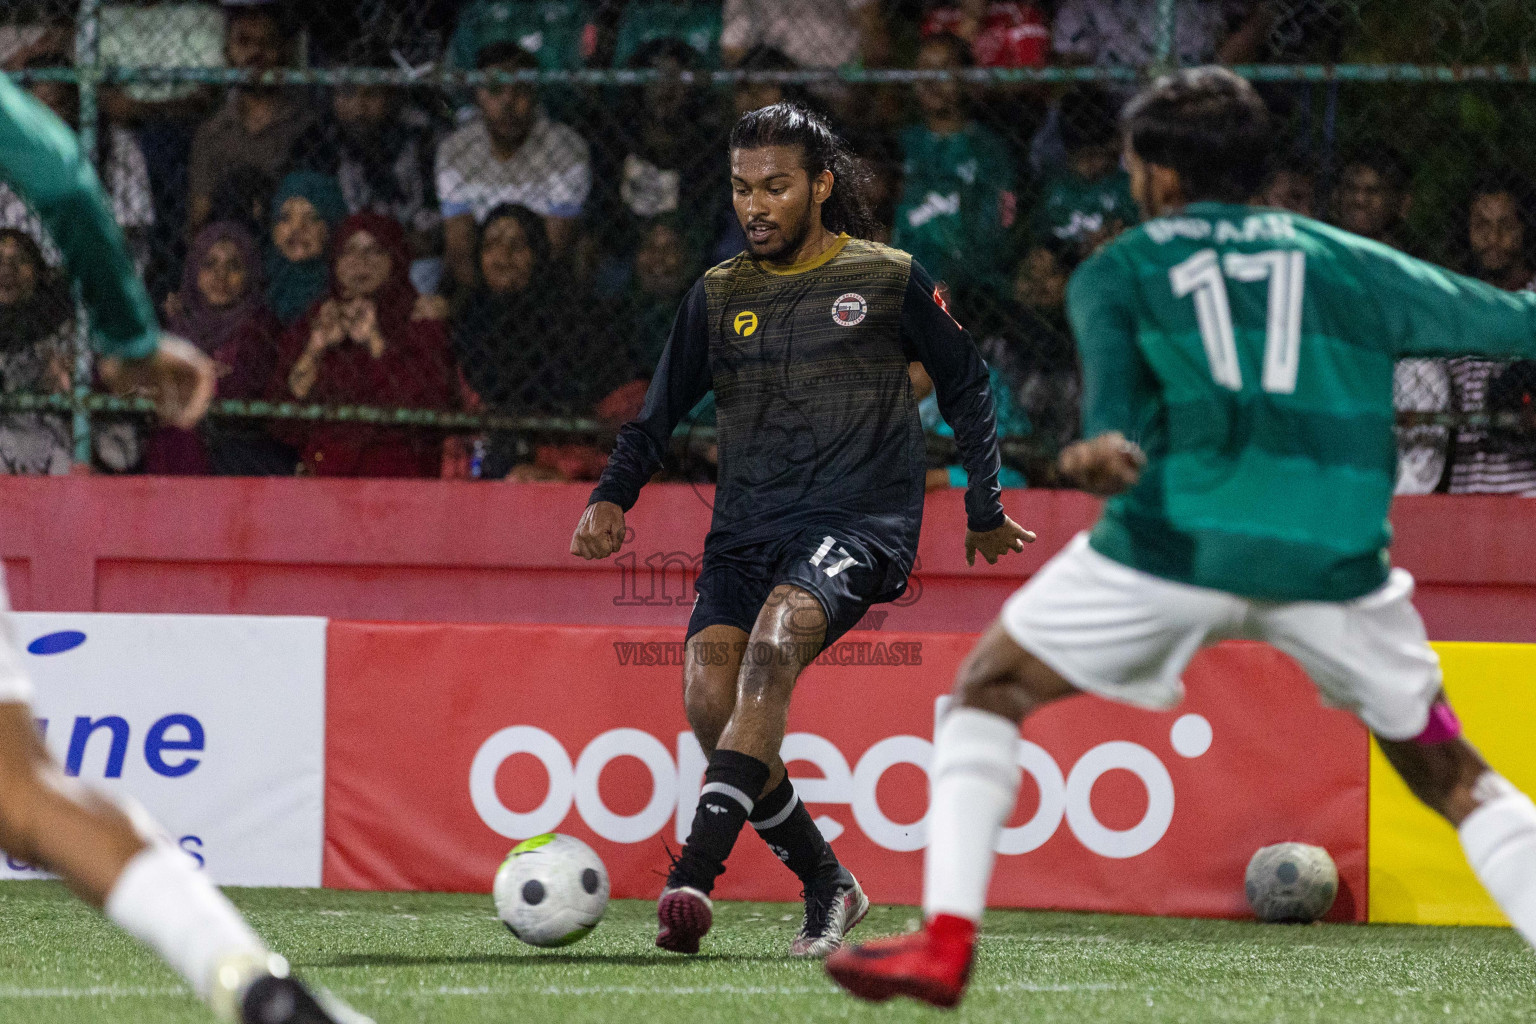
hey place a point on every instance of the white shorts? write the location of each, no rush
(1127, 635)
(14, 684)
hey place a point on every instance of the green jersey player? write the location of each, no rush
(1237, 400)
(112, 856)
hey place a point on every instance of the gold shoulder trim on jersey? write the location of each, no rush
(820, 259)
(726, 268)
(872, 250)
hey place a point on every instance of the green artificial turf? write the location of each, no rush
(444, 958)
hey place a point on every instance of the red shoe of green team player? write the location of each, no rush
(931, 965)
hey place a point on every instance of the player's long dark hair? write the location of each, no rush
(789, 124)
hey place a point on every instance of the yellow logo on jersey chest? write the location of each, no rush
(746, 323)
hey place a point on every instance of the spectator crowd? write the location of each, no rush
(521, 249)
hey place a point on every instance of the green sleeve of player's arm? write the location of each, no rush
(1100, 297)
(41, 159)
(1431, 311)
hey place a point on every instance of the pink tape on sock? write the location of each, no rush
(1443, 726)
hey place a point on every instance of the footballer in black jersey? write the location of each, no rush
(805, 340)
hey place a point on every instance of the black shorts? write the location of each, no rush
(846, 576)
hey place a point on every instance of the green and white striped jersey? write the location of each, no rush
(1249, 351)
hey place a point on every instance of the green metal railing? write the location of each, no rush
(443, 78)
(90, 75)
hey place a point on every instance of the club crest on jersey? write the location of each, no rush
(745, 323)
(849, 309)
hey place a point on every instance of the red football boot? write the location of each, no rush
(931, 965)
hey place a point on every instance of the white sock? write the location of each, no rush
(161, 900)
(975, 783)
(1500, 842)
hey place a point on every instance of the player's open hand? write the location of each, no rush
(177, 377)
(1104, 466)
(600, 532)
(994, 544)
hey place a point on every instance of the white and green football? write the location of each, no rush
(1291, 883)
(551, 890)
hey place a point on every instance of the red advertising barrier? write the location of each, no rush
(440, 551)
(448, 743)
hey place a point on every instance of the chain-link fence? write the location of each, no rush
(429, 238)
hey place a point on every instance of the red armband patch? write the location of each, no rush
(938, 297)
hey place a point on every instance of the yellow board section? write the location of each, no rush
(1417, 872)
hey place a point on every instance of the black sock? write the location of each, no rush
(786, 826)
(731, 785)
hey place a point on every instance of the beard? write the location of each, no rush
(510, 135)
(790, 237)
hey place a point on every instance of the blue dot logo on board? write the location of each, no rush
(56, 643)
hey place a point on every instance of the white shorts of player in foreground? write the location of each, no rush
(1126, 635)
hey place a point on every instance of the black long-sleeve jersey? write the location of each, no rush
(816, 421)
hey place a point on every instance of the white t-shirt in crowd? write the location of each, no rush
(551, 173)
(1124, 32)
(162, 35)
(1421, 385)
(1477, 467)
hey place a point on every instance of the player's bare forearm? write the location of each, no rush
(600, 532)
(994, 544)
(1104, 466)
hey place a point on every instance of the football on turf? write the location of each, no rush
(1291, 883)
(551, 890)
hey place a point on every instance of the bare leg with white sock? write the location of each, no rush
(1499, 839)
(1495, 821)
(975, 783)
(161, 900)
(149, 889)
(976, 777)
(145, 886)
(976, 771)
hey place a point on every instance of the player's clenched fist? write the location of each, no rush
(1104, 466)
(177, 376)
(600, 532)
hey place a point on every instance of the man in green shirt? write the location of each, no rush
(1237, 396)
(957, 194)
(1089, 200)
(114, 857)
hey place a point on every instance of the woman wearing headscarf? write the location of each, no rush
(501, 326)
(222, 310)
(305, 211)
(361, 345)
(527, 346)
